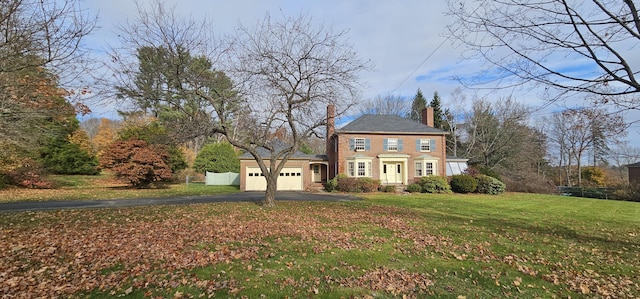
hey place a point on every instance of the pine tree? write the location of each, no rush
(438, 114)
(418, 104)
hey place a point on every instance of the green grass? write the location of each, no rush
(85, 187)
(384, 246)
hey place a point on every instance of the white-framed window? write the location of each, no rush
(425, 145)
(359, 167)
(419, 172)
(426, 167)
(359, 144)
(351, 171)
(392, 144)
(362, 168)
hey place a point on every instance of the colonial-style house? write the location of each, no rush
(395, 150)
(389, 148)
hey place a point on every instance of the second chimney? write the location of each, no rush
(427, 116)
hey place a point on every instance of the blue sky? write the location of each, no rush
(405, 40)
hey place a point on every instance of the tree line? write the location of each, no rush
(501, 138)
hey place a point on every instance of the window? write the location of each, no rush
(359, 144)
(425, 145)
(362, 170)
(392, 144)
(359, 167)
(426, 167)
(428, 170)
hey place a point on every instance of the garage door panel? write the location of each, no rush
(290, 179)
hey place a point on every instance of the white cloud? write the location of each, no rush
(395, 35)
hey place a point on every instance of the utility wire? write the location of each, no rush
(433, 52)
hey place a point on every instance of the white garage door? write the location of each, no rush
(290, 179)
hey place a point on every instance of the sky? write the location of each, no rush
(405, 41)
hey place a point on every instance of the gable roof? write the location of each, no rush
(381, 123)
(280, 145)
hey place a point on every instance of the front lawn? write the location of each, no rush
(385, 246)
(104, 186)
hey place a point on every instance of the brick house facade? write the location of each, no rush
(389, 148)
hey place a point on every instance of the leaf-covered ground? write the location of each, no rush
(367, 249)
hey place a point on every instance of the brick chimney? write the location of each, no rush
(331, 122)
(427, 116)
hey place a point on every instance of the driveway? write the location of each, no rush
(256, 197)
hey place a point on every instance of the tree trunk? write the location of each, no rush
(270, 193)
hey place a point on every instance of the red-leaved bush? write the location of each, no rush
(137, 162)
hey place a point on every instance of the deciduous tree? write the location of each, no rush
(137, 162)
(567, 46)
(286, 73)
(573, 132)
(389, 104)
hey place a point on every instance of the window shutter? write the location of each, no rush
(417, 145)
(352, 144)
(367, 144)
(433, 145)
(385, 144)
(400, 145)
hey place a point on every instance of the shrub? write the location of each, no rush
(434, 184)
(389, 189)
(137, 162)
(343, 183)
(331, 185)
(347, 184)
(414, 188)
(627, 192)
(463, 183)
(29, 174)
(489, 185)
(490, 172)
(367, 185)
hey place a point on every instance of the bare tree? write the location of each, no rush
(389, 104)
(285, 72)
(453, 118)
(570, 46)
(622, 155)
(573, 132)
(496, 132)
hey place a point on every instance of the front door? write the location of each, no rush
(392, 172)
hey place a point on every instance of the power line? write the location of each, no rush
(434, 51)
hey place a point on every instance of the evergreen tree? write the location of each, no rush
(418, 104)
(217, 157)
(438, 114)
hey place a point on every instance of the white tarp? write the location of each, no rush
(222, 179)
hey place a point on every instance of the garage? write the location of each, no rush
(290, 179)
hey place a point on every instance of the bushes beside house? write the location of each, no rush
(489, 185)
(463, 183)
(434, 184)
(343, 183)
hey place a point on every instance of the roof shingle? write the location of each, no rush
(379, 123)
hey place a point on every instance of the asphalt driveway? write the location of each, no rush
(256, 197)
